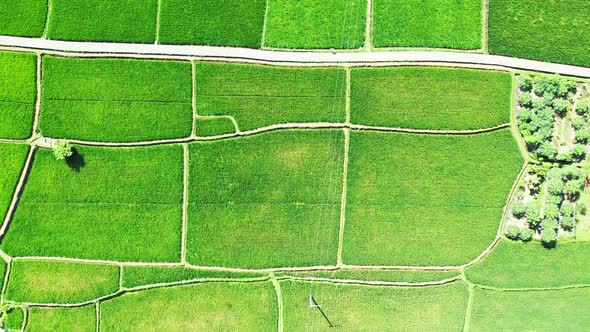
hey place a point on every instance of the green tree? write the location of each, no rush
(62, 149)
(583, 106)
(526, 234)
(525, 100)
(518, 209)
(533, 213)
(548, 237)
(525, 83)
(512, 232)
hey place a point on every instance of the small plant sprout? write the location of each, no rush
(62, 149)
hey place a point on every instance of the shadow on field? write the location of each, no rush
(76, 160)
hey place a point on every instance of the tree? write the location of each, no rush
(567, 209)
(548, 237)
(568, 222)
(561, 107)
(518, 209)
(62, 149)
(512, 232)
(551, 212)
(555, 186)
(582, 135)
(578, 152)
(583, 106)
(525, 83)
(525, 100)
(533, 213)
(526, 234)
(546, 151)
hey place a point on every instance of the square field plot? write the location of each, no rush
(427, 200)
(269, 200)
(206, 22)
(17, 94)
(24, 18)
(432, 23)
(356, 308)
(315, 24)
(116, 99)
(258, 96)
(430, 98)
(12, 161)
(104, 203)
(103, 20)
(555, 31)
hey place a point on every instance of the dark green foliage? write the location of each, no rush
(17, 93)
(206, 22)
(103, 20)
(13, 318)
(316, 24)
(118, 100)
(525, 82)
(555, 31)
(512, 232)
(518, 209)
(583, 106)
(547, 151)
(561, 107)
(525, 100)
(418, 23)
(417, 97)
(22, 17)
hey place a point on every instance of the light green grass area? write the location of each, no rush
(269, 200)
(60, 282)
(214, 126)
(107, 203)
(369, 308)
(552, 310)
(409, 276)
(103, 20)
(429, 200)
(530, 265)
(204, 307)
(316, 24)
(12, 161)
(116, 99)
(430, 97)
(205, 22)
(23, 17)
(134, 276)
(554, 30)
(80, 319)
(13, 321)
(258, 96)
(417, 23)
(17, 94)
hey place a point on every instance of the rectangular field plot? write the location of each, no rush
(429, 200)
(116, 99)
(258, 96)
(203, 307)
(12, 161)
(371, 308)
(79, 319)
(23, 17)
(315, 24)
(527, 265)
(555, 31)
(430, 97)
(550, 310)
(417, 23)
(60, 282)
(206, 22)
(17, 94)
(113, 204)
(269, 200)
(103, 20)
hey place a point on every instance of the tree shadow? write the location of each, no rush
(76, 160)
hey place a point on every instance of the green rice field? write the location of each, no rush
(23, 17)
(17, 94)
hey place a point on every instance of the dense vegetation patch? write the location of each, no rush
(418, 23)
(103, 20)
(115, 99)
(205, 22)
(23, 17)
(430, 98)
(269, 200)
(12, 161)
(17, 94)
(426, 199)
(550, 310)
(62, 319)
(354, 308)
(258, 96)
(60, 282)
(12, 318)
(316, 24)
(556, 31)
(102, 203)
(203, 307)
(134, 276)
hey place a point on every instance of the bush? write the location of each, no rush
(582, 208)
(548, 237)
(578, 123)
(561, 107)
(567, 222)
(578, 152)
(533, 213)
(524, 115)
(525, 83)
(62, 149)
(573, 188)
(555, 186)
(518, 209)
(526, 234)
(554, 199)
(512, 232)
(549, 223)
(551, 211)
(567, 209)
(582, 135)
(583, 106)
(546, 151)
(525, 100)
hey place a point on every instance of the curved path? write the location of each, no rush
(352, 57)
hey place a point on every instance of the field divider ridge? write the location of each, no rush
(369, 27)
(264, 24)
(47, 18)
(5, 281)
(372, 282)
(469, 307)
(277, 288)
(157, 32)
(183, 232)
(343, 198)
(39, 89)
(485, 19)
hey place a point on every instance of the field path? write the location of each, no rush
(302, 57)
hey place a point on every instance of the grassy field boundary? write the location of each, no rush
(47, 18)
(277, 287)
(158, 11)
(264, 24)
(468, 309)
(38, 96)
(97, 312)
(369, 27)
(485, 20)
(5, 281)
(185, 168)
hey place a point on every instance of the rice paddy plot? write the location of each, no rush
(102, 203)
(118, 100)
(24, 18)
(12, 161)
(258, 96)
(78, 319)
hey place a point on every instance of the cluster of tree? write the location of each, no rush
(559, 208)
(542, 100)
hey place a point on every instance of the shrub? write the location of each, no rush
(524, 115)
(526, 234)
(573, 188)
(578, 152)
(582, 208)
(567, 209)
(546, 151)
(567, 222)
(555, 186)
(549, 223)
(525, 83)
(548, 237)
(512, 232)
(525, 100)
(561, 107)
(533, 213)
(583, 106)
(518, 209)
(582, 135)
(62, 149)
(578, 123)
(551, 211)
(554, 199)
